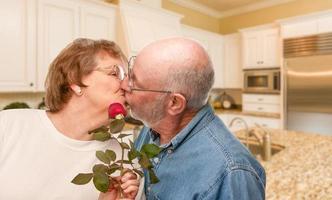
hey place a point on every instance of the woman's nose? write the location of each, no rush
(125, 84)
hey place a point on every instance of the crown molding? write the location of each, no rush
(237, 11)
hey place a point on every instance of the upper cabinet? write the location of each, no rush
(306, 25)
(232, 61)
(61, 21)
(260, 47)
(17, 52)
(143, 24)
(213, 44)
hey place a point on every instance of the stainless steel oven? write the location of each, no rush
(262, 81)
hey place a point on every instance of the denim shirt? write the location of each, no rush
(203, 161)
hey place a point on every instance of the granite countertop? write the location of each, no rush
(239, 111)
(303, 170)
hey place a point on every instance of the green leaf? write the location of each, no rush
(114, 167)
(110, 154)
(101, 136)
(145, 162)
(82, 179)
(100, 168)
(124, 145)
(153, 178)
(117, 125)
(123, 135)
(139, 172)
(100, 129)
(124, 161)
(103, 157)
(132, 155)
(151, 150)
(101, 182)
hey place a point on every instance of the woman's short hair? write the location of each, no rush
(74, 62)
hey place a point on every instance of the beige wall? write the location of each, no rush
(193, 18)
(268, 15)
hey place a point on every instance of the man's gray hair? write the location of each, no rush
(194, 82)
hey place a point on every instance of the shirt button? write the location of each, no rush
(169, 151)
(156, 160)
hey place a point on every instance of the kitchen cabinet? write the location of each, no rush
(233, 75)
(261, 103)
(25, 58)
(17, 52)
(144, 24)
(260, 47)
(62, 21)
(214, 45)
(251, 121)
(312, 24)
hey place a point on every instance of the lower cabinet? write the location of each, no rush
(250, 121)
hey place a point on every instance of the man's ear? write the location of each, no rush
(76, 89)
(177, 104)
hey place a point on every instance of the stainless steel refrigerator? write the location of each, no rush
(308, 84)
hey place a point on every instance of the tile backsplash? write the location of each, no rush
(32, 99)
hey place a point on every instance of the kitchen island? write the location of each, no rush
(303, 170)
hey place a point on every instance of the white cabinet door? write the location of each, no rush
(17, 51)
(233, 75)
(57, 27)
(261, 48)
(270, 50)
(251, 50)
(98, 21)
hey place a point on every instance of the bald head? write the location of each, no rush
(181, 65)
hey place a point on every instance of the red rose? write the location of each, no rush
(116, 109)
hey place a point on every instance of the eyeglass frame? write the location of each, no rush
(130, 80)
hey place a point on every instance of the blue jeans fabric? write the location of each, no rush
(203, 161)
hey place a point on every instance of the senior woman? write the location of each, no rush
(41, 151)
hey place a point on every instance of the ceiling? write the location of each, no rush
(226, 8)
(224, 5)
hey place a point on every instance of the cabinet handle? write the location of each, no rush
(264, 125)
(260, 99)
(31, 84)
(260, 108)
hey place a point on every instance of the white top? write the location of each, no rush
(38, 162)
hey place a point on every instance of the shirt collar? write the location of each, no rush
(204, 116)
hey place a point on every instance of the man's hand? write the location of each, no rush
(129, 186)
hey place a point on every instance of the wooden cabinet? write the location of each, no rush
(311, 24)
(144, 24)
(62, 21)
(17, 52)
(233, 75)
(261, 103)
(260, 48)
(213, 44)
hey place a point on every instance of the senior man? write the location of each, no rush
(167, 88)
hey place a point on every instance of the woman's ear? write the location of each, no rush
(76, 89)
(177, 104)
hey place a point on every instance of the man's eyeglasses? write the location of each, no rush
(131, 62)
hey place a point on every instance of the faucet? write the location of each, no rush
(264, 141)
(244, 123)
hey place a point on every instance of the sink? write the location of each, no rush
(257, 149)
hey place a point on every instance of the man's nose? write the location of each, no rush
(125, 84)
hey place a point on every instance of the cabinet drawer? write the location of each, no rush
(260, 98)
(265, 122)
(257, 107)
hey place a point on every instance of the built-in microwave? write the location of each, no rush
(262, 81)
